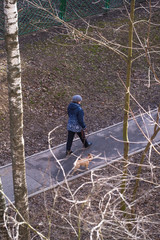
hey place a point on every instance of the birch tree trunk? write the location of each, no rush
(127, 100)
(3, 230)
(16, 112)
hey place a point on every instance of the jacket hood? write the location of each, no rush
(73, 106)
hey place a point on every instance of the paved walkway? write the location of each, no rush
(44, 171)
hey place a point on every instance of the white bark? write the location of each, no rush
(16, 110)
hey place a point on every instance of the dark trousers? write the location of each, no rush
(71, 135)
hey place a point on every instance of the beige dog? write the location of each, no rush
(83, 162)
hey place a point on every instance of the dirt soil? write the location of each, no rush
(93, 202)
(56, 66)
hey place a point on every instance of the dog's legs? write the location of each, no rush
(74, 170)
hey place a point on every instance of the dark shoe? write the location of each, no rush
(88, 144)
(68, 152)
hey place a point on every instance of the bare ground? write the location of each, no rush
(55, 67)
(101, 207)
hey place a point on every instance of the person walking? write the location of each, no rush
(76, 123)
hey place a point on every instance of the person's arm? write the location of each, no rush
(81, 119)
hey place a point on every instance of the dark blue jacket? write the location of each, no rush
(76, 118)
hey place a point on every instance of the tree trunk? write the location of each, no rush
(3, 230)
(127, 100)
(16, 111)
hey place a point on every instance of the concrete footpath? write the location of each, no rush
(46, 169)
